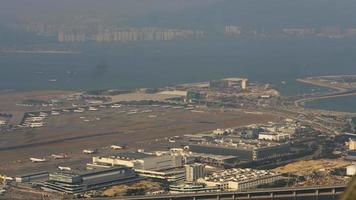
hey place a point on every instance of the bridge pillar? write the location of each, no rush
(233, 197)
(218, 197)
(272, 195)
(295, 194)
(333, 191)
(317, 193)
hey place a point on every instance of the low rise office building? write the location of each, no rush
(170, 175)
(239, 179)
(273, 136)
(191, 188)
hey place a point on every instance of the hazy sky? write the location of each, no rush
(260, 13)
(26, 8)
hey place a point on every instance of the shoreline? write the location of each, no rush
(41, 51)
(340, 92)
(315, 83)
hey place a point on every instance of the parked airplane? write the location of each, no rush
(64, 168)
(116, 106)
(79, 110)
(116, 147)
(38, 159)
(89, 151)
(60, 156)
(93, 109)
(55, 113)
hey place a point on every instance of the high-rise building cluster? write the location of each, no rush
(71, 37)
(331, 32)
(130, 34)
(233, 30)
(327, 31)
(74, 32)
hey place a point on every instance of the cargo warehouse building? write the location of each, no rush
(167, 167)
(243, 152)
(141, 161)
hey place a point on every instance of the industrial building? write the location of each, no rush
(239, 179)
(2, 122)
(274, 136)
(191, 188)
(194, 171)
(245, 133)
(253, 143)
(201, 137)
(289, 128)
(352, 144)
(351, 170)
(207, 159)
(195, 95)
(215, 160)
(170, 175)
(141, 161)
(82, 181)
(34, 121)
(35, 176)
(244, 152)
(229, 82)
(166, 167)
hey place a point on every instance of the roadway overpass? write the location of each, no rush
(332, 192)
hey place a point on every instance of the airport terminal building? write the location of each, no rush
(82, 181)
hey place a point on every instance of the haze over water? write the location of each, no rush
(158, 64)
(272, 59)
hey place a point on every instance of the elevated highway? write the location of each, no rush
(301, 102)
(266, 194)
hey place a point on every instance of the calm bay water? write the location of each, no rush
(158, 64)
(345, 104)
